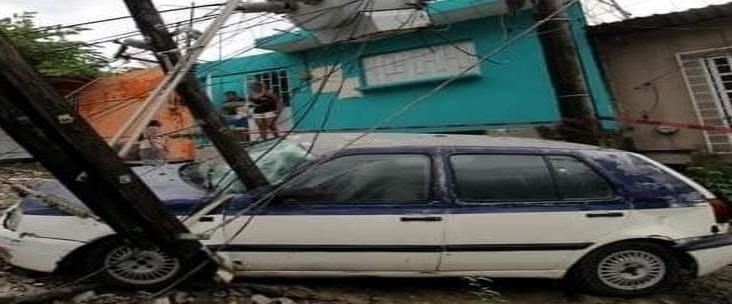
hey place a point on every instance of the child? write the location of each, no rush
(235, 114)
(152, 145)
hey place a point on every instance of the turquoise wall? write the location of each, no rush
(601, 95)
(514, 87)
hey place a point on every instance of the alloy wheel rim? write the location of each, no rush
(141, 267)
(631, 270)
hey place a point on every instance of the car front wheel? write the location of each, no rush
(628, 270)
(123, 266)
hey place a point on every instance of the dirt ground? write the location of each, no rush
(714, 289)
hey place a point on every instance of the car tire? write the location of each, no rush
(628, 269)
(115, 263)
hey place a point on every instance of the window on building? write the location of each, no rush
(502, 178)
(709, 80)
(576, 180)
(363, 179)
(721, 68)
(276, 81)
(433, 62)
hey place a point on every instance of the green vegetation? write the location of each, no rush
(717, 180)
(481, 288)
(49, 49)
(714, 174)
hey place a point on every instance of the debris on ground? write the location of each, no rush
(22, 175)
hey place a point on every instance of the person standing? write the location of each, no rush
(267, 108)
(152, 145)
(234, 111)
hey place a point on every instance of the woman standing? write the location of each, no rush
(266, 109)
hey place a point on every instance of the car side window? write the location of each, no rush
(502, 178)
(366, 178)
(576, 180)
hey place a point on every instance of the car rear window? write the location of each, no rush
(650, 184)
(502, 178)
(576, 180)
(526, 178)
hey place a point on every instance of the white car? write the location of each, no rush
(614, 222)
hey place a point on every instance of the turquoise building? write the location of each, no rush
(389, 81)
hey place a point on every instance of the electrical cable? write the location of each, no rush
(205, 263)
(65, 26)
(311, 104)
(421, 98)
(102, 270)
(410, 105)
(264, 41)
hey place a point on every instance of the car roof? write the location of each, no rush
(330, 142)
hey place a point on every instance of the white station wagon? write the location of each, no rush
(614, 222)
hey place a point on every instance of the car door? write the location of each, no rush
(519, 211)
(354, 212)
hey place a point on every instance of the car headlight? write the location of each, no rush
(12, 219)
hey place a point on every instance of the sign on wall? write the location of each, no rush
(440, 61)
(334, 82)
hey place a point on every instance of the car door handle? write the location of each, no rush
(206, 219)
(605, 214)
(421, 219)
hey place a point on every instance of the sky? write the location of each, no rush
(52, 12)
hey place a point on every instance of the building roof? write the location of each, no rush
(661, 21)
(441, 12)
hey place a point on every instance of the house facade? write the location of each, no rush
(389, 81)
(674, 68)
(110, 101)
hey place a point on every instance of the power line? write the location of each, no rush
(76, 25)
(444, 84)
(103, 269)
(267, 198)
(243, 227)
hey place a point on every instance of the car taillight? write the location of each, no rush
(721, 211)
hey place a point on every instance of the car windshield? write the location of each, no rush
(274, 158)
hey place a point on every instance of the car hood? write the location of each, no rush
(178, 197)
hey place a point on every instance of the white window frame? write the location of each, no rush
(701, 59)
(444, 60)
(281, 93)
(722, 92)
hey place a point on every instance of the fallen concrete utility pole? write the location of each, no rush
(181, 77)
(575, 101)
(45, 125)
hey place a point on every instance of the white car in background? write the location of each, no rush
(615, 223)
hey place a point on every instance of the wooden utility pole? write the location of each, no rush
(579, 121)
(152, 26)
(47, 127)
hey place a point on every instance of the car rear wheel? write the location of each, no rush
(123, 266)
(628, 270)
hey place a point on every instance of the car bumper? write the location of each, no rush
(710, 253)
(34, 253)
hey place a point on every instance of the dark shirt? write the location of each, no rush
(263, 104)
(230, 108)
